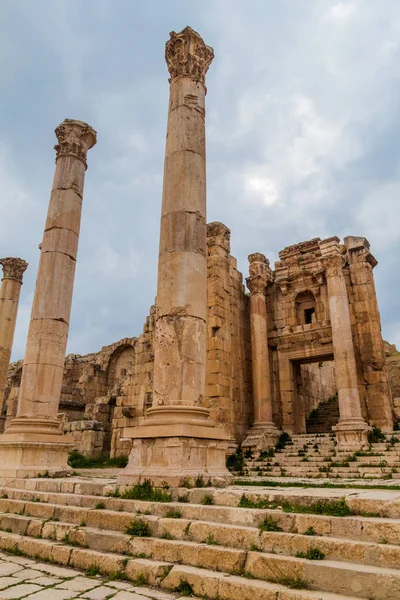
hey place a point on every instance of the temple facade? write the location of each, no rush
(293, 354)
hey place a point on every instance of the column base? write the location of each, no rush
(261, 436)
(24, 455)
(175, 461)
(351, 435)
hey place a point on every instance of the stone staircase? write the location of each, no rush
(324, 417)
(234, 543)
(316, 456)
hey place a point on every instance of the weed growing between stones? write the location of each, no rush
(76, 460)
(207, 500)
(145, 491)
(184, 588)
(270, 524)
(235, 462)
(333, 508)
(210, 540)
(326, 484)
(100, 506)
(173, 514)
(311, 554)
(138, 528)
(376, 435)
(310, 531)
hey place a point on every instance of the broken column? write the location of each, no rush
(351, 430)
(177, 439)
(34, 444)
(13, 270)
(263, 433)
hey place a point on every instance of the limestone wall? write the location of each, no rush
(317, 384)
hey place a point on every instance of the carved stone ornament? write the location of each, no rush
(75, 138)
(187, 55)
(260, 273)
(13, 268)
(333, 265)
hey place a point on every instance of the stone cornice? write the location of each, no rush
(13, 268)
(187, 55)
(75, 138)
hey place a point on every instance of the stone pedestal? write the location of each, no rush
(177, 439)
(34, 443)
(264, 433)
(13, 270)
(351, 430)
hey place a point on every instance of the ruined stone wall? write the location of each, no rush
(317, 384)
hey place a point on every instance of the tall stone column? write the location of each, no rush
(264, 433)
(177, 439)
(351, 430)
(13, 270)
(34, 443)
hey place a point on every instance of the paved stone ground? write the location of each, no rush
(25, 578)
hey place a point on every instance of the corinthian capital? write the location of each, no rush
(260, 273)
(75, 138)
(13, 268)
(187, 54)
(333, 264)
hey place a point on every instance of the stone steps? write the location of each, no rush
(77, 524)
(109, 553)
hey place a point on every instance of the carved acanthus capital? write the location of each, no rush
(219, 234)
(13, 268)
(260, 273)
(333, 264)
(75, 138)
(187, 55)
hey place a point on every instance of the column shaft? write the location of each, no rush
(36, 420)
(351, 429)
(264, 432)
(13, 269)
(177, 439)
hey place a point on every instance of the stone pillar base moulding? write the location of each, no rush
(24, 459)
(175, 461)
(352, 435)
(261, 436)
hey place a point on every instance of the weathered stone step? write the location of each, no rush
(357, 527)
(229, 537)
(215, 585)
(83, 558)
(326, 575)
(207, 583)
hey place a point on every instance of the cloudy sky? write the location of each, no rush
(303, 128)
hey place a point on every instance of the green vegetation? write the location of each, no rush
(235, 462)
(376, 435)
(145, 491)
(173, 514)
(270, 524)
(283, 440)
(311, 554)
(184, 588)
(310, 531)
(333, 508)
(327, 484)
(138, 528)
(76, 460)
(207, 500)
(100, 506)
(210, 540)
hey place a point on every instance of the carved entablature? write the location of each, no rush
(13, 268)
(260, 273)
(187, 55)
(75, 138)
(218, 234)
